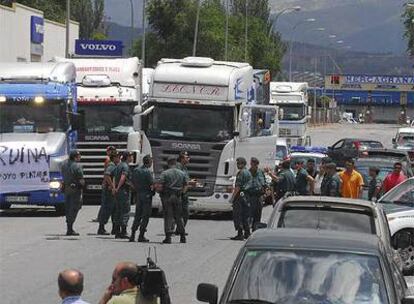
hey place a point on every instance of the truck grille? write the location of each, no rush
(283, 132)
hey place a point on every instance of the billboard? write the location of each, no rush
(105, 48)
(36, 29)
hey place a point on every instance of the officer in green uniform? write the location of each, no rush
(122, 198)
(142, 181)
(284, 181)
(256, 192)
(303, 179)
(240, 200)
(73, 183)
(108, 200)
(172, 185)
(331, 183)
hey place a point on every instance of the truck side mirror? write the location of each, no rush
(207, 293)
(137, 122)
(394, 140)
(76, 120)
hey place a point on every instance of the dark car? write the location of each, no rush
(290, 266)
(347, 148)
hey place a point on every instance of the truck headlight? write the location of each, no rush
(55, 185)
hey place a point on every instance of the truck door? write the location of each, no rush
(258, 132)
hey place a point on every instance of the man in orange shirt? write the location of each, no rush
(352, 181)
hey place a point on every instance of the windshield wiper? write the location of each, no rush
(247, 301)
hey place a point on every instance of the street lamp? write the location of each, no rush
(291, 43)
(67, 28)
(282, 12)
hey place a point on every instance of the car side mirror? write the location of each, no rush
(408, 300)
(236, 133)
(207, 293)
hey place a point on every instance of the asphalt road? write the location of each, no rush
(33, 248)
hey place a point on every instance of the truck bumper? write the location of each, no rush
(37, 198)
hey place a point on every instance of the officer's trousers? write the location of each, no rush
(107, 206)
(143, 209)
(255, 209)
(122, 207)
(241, 213)
(185, 204)
(172, 209)
(73, 203)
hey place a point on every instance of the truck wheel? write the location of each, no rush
(403, 242)
(5, 206)
(60, 209)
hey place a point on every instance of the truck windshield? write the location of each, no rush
(292, 112)
(312, 277)
(24, 117)
(207, 123)
(108, 117)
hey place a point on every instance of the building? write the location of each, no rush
(385, 97)
(26, 35)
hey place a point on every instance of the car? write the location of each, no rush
(397, 154)
(404, 140)
(347, 148)
(398, 204)
(306, 153)
(289, 266)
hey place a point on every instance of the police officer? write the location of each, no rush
(73, 183)
(303, 179)
(122, 198)
(142, 181)
(284, 181)
(240, 200)
(108, 200)
(256, 192)
(172, 183)
(331, 183)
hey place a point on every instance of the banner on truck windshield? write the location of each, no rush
(24, 166)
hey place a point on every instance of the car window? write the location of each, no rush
(371, 144)
(338, 145)
(307, 276)
(327, 219)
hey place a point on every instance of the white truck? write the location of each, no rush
(199, 105)
(108, 91)
(292, 100)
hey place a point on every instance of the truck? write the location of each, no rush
(200, 105)
(38, 123)
(108, 90)
(292, 100)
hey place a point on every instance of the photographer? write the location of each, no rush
(124, 288)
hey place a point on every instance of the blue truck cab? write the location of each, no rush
(38, 123)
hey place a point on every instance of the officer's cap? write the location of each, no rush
(241, 160)
(125, 154)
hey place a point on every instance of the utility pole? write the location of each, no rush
(132, 23)
(144, 5)
(245, 33)
(196, 29)
(67, 28)
(226, 36)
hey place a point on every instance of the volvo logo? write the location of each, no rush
(98, 47)
(97, 137)
(183, 146)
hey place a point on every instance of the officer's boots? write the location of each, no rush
(167, 239)
(239, 236)
(70, 231)
(142, 238)
(123, 234)
(113, 231)
(117, 231)
(101, 230)
(246, 233)
(132, 236)
(183, 239)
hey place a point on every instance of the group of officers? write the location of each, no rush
(119, 182)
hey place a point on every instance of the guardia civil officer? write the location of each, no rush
(256, 192)
(108, 200)
(122, 197)
(172, 183)
(142, 181)
(73, 183)
(240, 201)
(331, 183)
(284, 180)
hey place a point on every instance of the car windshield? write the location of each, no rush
(402, 194)
(49, 116)
(311, 277)
(209, 123)
(292, 112)
(281, 152)
(328, 218)
(405, 140)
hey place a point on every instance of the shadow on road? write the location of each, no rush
(29, 212)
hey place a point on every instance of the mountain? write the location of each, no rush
(123, 33)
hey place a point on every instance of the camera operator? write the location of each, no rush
(124, 288)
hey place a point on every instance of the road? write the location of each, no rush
(34, 248)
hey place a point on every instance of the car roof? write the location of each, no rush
(313, 239)
(327, 199)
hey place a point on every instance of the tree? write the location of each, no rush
(408, 19)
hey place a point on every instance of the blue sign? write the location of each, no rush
(98, 47)
(36, 29)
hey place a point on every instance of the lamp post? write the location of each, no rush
(226, 35)
(196, 28)
(67, 28)
(143, 44)
(291, 43)
(282, 12)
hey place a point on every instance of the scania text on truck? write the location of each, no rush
(292, 100)
(108, 91)
(37, 131)
(200, 105)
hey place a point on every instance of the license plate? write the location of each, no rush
(17, 199)
(94, 187)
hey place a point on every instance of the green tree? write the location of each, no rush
(408, 19)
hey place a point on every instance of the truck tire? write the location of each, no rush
(60, 209)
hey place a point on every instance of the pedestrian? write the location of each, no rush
(143, 183)
(351, 181)
(73, 183)
(303, 179)
(108, 201)
(285, 180)
(172, 184)
(124, 288)
(375, 184)
(331, 183)
(393, 178)
(256, 192)
(311, 168)
(240, 200)
(70, 282)
(122, 196)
